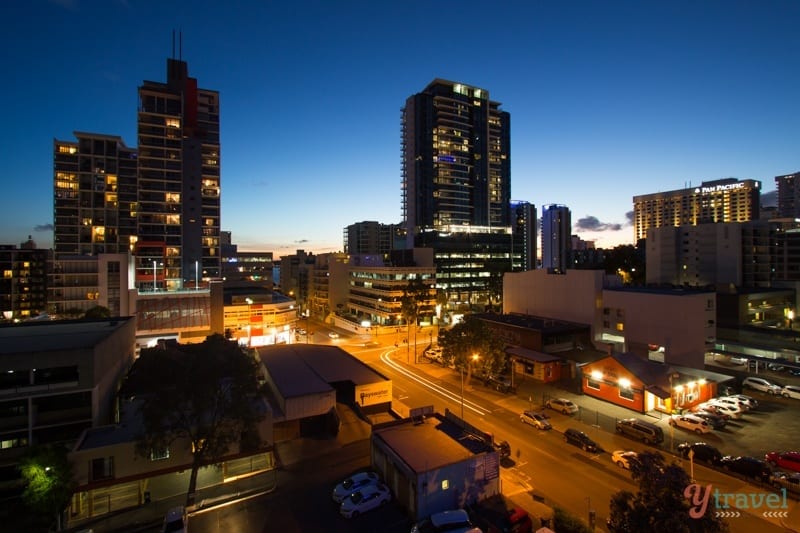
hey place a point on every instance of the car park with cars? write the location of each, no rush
(365, 499)
(732, 411)
(623, 458)
(647, 432)
(700, 451)
(791, 391)
(580, 439)
(562, 405)
(784, 460)
(690, 422)
(453, 521)
(761, 384)
(710, 407)
(716, 421)
(537, 420)
(352, 484)
(748, 400)
(747, 466)
(733, 402)
(783, 480)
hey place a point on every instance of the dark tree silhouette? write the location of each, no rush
(203, 394)
(661, 506)
(469, 338)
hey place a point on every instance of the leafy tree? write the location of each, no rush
(660, 505)
(47, 474)
(98, 311)
(203, 393)
(469, 338)
(628, 261)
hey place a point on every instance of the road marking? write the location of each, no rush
(442, 391)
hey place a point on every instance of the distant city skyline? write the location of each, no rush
(607, 101)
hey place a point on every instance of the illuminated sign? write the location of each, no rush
(719, 188)
(374, 393)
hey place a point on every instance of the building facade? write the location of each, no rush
(178, 180)
(788, 188)
(23, 283)
(523, 232)
(556, 237)
(456, 172)
(725, 200)
(369, 237)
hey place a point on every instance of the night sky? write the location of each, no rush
(608, 100)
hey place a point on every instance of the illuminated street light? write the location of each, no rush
(475, 358)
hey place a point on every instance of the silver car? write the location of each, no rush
(536, 420)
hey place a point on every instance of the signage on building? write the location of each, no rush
(374, 393)
(719, 188)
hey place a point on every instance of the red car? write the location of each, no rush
(785, 460)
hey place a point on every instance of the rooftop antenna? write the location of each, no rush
(173, 44)
(180, 46)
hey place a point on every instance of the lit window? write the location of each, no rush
(159, 454)
(173, 123)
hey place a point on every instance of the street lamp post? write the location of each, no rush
(155, 281)
(475, 357)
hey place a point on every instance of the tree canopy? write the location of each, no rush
(201, 394)
(660, 506)
(47, 474)
(471, 345)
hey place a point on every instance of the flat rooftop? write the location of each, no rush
(432, 444)
(57, 335)
(302, 369)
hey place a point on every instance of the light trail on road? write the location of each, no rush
(434, 387)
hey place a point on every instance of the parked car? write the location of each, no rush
(499, 383)
(365, 499)
(782, 480)
(716, 409)
(690, 422)
(537, 420)
(785, 460)
(333, 335)
(775, 367)
(352, 484)
(732, 401)
(749, 400)
(454, 521)
(761, 384)
(434, 354)
(701, 452)
(732, 411)
(623, 458)
(563, 405)
(791, 391)
(174, 521)
(502, 447)
(716, 421)
(747, 466)
(580, 439)
(647, 432)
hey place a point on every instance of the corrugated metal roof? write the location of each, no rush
(57, 335)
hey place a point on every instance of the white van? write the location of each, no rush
(761, 384)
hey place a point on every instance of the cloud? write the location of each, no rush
(301, 241)
(590, 223)
(629, 218)
(42, 227)
(769, 199)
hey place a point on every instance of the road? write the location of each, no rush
(543, 465)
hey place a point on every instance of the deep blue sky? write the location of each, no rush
(608, 99)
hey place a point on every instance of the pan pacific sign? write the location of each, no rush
(374, 393)
(722, 187)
